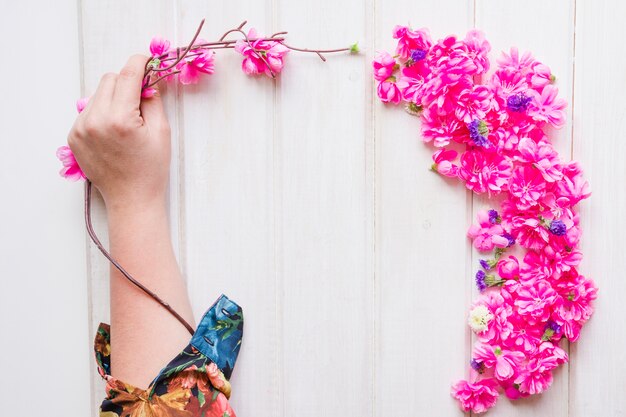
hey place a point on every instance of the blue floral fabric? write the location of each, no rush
(195, 383)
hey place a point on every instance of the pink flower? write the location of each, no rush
(194, 64)
(536, 300)
(537, 375)
(546, 107)
(70, 170)
(411, 40)
(576, 294)
(441, 129)
(253, 63)
(528, 186)
(530, 233)
(506, 362)
(81, 103)
(477, 49)
(573, 186)
(383, 66)
(508, 268)
(148, 92)
(388, 92)
(443, 163)
(540, 76)
(514, 62)
(478, 396)
(484, 172)
(542, 156)
(159, 46)
(412, 89)
(487, 235)
(473, 104)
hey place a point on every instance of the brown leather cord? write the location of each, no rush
(138, 284)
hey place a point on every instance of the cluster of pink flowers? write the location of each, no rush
(490, 132)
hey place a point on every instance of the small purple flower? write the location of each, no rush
(478, 131)
(493, 216)
(485, 264)
(553, 326)
(418, 54)
(480, 281)
(477, 366)
(510, 238)
(518, 102)
(558, 228)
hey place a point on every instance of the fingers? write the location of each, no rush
(104, 93)
(127, 94)
(152, 108)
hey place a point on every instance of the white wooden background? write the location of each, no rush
(305, 200)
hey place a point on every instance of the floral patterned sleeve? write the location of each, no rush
(194, 383)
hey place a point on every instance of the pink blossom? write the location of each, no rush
(540, 76)
(536, 378)
(478, 47)
(525, 336)
(573, 186)
(195, 64)
(411, 40)
(148, 92)
(81, 103)
(537, 375)
(273, 51)
(536, 300)
(388, 92)
(528, 186)
(484, 172)
(487, 235)
(159, 46)
(515, 63)
(477, 397)
(542, 156)
(530, 233)
(506, 362)
(443, 162)
(508, 268)
(473, 104)
(70, 170)
(576, 294)
(441, 129)
(383, 66)
(547, 107)
(412, 89)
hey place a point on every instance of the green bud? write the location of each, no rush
(354, 48)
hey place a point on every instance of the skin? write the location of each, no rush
(122, 144)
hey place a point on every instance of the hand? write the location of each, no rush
(121, 142)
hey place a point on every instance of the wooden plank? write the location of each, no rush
(43, 299)
(324, 213)
(228, 184)
(598, 381)
(422, 256)
(111, 32)
(549, 36)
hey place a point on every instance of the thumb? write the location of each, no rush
(151, 106)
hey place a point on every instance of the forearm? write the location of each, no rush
(140, 241)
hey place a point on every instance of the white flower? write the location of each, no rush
(479, 318)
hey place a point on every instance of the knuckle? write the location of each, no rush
(90, 127)
(119, 125)
(128, 72)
